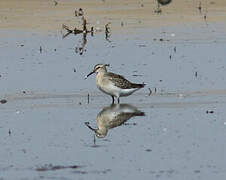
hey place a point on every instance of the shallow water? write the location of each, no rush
(181, 136)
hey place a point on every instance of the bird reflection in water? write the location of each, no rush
(113, 116)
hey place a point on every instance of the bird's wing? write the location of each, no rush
(119, 81)
(119, 119)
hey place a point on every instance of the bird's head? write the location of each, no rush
(97, 68)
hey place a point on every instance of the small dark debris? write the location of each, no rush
(24, 92)
(196, 74)
(148, 150)
(197, 171)
(170, 57)
(54, 49)
(161, 39)
(209, 111)
(88, 98)
(74, 70)
(155, 90)
(21, 45)
(175, 49)
(3, 101)
(160, 80)
(40, 49)
(80, 103)
(50, 167)
(9, 132)
(122, 24)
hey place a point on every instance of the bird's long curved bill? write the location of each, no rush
(89, 74)
(87, 124)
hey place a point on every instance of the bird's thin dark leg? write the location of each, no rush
(113, 100)
(118, 100)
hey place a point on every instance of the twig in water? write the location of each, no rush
(67, 28)
(200, 7)
(80, 12)
(150, 91)
(107, 32)
(84, 25)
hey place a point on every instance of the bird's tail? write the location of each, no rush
(138, 85)
(139, 113)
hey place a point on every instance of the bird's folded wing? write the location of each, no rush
(119, 81)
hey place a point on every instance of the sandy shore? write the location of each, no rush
(46, 15)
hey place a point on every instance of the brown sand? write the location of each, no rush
(44, 15)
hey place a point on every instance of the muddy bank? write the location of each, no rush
(126, 15)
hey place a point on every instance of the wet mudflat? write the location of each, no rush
(175, 132)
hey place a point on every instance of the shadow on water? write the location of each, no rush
(113, 116)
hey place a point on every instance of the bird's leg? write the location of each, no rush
(113, 100)
(118, 101)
